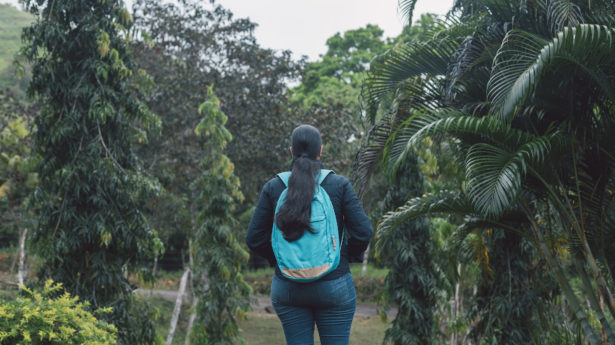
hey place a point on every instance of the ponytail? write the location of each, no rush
(293, 217)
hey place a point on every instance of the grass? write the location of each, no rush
(371, 271)
(263, 329)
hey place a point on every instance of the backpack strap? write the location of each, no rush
(284, 176)
(323, 175)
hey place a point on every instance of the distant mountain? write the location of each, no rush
(12, 21)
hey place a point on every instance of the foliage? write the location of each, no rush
(524, 94)
(337, 77)
(17, 166)
(92, 194)
(510, 281)
(250, 82)
(411, 287)
(51, 317)
(217, 253)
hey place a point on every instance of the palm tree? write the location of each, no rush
(525, 91)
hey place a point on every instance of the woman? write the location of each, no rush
(330, 301)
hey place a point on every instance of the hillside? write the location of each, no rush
(12, 21)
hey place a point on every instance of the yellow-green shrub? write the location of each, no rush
(41, 318)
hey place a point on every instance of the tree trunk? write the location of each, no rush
(594, 303)
(365, 259)
(178, 305)
(14, 261)
(151, 291)
(456, 303)
(195, 301)
(21, 270)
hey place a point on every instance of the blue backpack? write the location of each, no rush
(314, 254)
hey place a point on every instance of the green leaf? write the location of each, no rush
(523, 57)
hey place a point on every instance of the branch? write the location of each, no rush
(109, 154)
(8, 283)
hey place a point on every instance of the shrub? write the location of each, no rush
(50, 317)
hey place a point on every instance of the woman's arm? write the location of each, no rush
(357, 223)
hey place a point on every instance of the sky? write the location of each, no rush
(303, 26)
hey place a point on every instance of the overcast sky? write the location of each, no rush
(303, 26)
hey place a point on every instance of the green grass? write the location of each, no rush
(371, 271)
(260, 329)
(12, 21)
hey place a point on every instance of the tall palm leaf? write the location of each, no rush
(523, 57)
(561, 13)
(404, 63)
(406, 8)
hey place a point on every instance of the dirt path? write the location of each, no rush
(262, 305)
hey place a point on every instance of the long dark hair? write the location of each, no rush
(293, 217)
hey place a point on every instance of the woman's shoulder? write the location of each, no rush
(336, 179)
(274, 186)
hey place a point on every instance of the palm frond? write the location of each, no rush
(495, 174)
(561, 13)
(425, 123)
(370, 152)
(406, 8)
(443, 202)
(401, 64)
(463, 59)
(523, 57)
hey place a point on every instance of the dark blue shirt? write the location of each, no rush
(348, 211)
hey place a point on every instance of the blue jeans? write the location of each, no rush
(330, 304)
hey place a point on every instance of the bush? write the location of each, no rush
(52, 318)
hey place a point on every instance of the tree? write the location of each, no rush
(17, 166)
(251, 83)
(218, 254)
(533, 149)
(337, 77)
(92, 194)
(411, 287)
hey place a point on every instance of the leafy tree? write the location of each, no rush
(336, 78)
(524, 91)
(412, 287)
(251, 83)
(92, 194)
(218, 254)
(192, 45)
(17, 166)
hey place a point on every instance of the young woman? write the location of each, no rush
(330, 301)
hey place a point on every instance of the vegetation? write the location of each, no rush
(91, 194)
(535, 161)
(52, 317)
(18, 176)
(218, 254)
(485, 159)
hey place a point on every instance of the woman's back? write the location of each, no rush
(330, 301)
